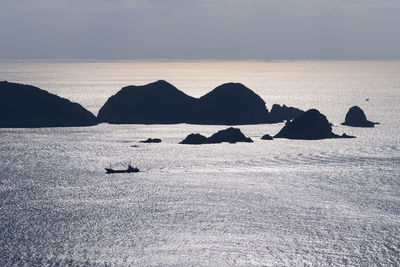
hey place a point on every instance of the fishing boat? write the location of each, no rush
(128, 170)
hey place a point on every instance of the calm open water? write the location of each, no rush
(281, 202)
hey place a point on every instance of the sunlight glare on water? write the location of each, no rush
(281, 202)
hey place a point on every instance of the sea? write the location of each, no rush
(333, 202)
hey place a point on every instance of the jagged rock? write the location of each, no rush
(311, 125)
(267, 137)
(347, 136)
(27, 106)
(280, 113)
(151, 140)
(230, 135)
(356, 117)
(195, 139)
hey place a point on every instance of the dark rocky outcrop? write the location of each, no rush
(161, 102)
(151, 140)
(27, 106)
(356, 117)
(311, 125)
(195, 139)
(347, 136)
(280, 113)
(231, 104)
(230, 135)
(267, 137)
(158, 102)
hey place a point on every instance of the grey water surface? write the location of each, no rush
(281, 202)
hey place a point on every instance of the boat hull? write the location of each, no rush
(121, 171)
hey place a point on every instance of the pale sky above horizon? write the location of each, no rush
(199, 29)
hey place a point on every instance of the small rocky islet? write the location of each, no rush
(267, 137)
(311, 125)
(151, 140)
(356, 117)
(229, 135)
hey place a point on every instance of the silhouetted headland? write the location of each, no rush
(356, 117)
(151, 140)
(230, 135)
(162, 103)
(26, 106)
(311, 125)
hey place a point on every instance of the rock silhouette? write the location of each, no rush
(347, 136)
(231, 104)
(356, 117)
(160, 102)
(151, 140)
(311, 125)
(195, 139)
(27, 106)
(280, 113)
(267, 137)
(230, 135)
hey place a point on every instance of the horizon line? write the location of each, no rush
(194, 60)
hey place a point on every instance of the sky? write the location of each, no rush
(200, 29)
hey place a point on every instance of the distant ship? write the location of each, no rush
(129, 169)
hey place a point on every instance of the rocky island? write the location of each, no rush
(230, 104)
(151, 140)
(230, 135)
(311, 125)
(162, 103)
(267, 137)
(155, 103)
(26, 106)
(356, 117)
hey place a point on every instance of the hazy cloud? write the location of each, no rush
(203, 29)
